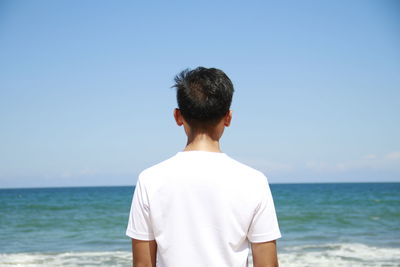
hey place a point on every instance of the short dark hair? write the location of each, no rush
(204, 95)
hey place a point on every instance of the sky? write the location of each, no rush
(86, 97)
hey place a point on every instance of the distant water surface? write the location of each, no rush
(352, 224)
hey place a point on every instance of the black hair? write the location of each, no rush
(204, 95)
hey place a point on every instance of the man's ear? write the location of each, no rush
(178, 117)
(228, 118)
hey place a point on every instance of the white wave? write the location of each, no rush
(337, 255)
(107, 258)
(326, 255)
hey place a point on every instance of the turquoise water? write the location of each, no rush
(322, 225)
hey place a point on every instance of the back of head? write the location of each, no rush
(204, 95)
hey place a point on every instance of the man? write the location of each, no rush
(201, 207)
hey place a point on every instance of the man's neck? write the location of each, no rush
(202, 142)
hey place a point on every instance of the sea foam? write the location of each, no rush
(335, 254)
(104, 258)
(339, 254)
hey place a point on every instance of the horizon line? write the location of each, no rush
(280, 183)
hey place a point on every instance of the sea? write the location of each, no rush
(327, 224)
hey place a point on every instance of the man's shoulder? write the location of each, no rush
(162, 166)
(243, 166)
(242, 169)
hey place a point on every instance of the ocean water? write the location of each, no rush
(352, 224)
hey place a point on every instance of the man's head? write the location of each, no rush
(204, 96)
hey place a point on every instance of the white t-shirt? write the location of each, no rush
(202, 208)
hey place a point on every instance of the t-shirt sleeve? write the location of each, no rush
(264, 226)
(139, 224)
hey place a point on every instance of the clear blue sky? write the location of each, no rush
(85, 95)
